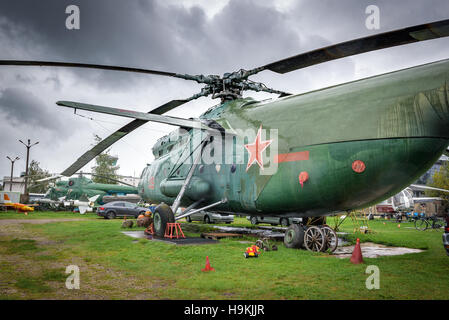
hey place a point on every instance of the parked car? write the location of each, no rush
(210, 217)
(115, 209)
(274, 221)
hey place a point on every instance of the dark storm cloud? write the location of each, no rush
(133, 33)
(250, 35)
(22, 107)
(178, 38)
(345, 19)
(149, 34)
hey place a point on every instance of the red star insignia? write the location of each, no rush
(255, 150)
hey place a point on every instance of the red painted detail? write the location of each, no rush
(303, 177)
(358, 166)
(255, 150)
(293, 156)
(151, 183)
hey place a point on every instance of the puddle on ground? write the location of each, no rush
(373, 250)
(135, 234)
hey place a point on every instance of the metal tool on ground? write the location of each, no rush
(266, 245)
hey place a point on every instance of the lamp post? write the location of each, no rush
(28, 146)
(12, 170)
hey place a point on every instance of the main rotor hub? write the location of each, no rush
(230, 86)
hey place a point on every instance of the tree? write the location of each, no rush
(35, 173)
(106, 166)
(440, 179)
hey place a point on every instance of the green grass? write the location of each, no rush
(168, 271)
(32, 285)
(46, 215)
(19, 246)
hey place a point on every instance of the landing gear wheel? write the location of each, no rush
(162, 215)
(330, 239)
(294, 236)
(314, 239)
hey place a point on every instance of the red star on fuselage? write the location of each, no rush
(255, 150)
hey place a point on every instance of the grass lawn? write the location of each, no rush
(115, 266)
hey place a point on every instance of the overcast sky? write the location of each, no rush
(194, 36)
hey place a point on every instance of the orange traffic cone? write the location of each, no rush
(208, 267)
(356, 257)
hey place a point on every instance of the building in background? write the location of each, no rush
(427, 177)
(18, 184)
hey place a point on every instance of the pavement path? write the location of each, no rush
(38, 221)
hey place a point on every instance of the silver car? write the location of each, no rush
(210, 217)
(274, 221)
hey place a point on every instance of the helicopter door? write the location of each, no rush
(234, 163)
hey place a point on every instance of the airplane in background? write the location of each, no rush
(20, 207)
(404, 201)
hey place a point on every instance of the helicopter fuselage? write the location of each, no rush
(335, 149)
(81, 187)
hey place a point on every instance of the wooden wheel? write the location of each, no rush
(314, 239)
(330, 239)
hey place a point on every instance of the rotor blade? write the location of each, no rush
(83, 65)
(31, 63)
(49, 178)
(187, 123)
(93, 174)
(117, 135)
(111, 179)
(428, 188)
(389, 39)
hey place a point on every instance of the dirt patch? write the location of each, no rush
(37, 221)
(38, 272)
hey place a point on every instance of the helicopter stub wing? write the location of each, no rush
(186, 123)
(117, 135)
